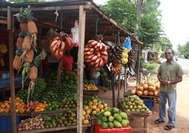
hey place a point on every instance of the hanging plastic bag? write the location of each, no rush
(127, 43)
(75, 33)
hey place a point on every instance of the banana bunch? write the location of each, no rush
(131, 56)
(95, 53)
(3, 49)
(125, 56)
(116, 67)
(115, 54)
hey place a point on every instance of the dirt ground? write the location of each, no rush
(182, 113)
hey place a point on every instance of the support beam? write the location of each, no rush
(82, 19)
(12, 88)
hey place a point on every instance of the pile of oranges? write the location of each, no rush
(21, 107)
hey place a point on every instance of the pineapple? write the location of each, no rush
(32, 28)
(21, 17)
(16, 62)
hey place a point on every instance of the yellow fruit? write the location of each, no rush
(97, 109)
(100, 106)
(88, 111)
(87, 116)
(90, 103)
(105, 105)
(95, 100)
(85, 121)
(94, 107)
(93, 112)
(86, 107)
(83, 112)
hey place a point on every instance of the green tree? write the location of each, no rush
(162, 44)
(184, 49)
(125, 13)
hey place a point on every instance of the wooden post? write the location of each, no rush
(82, 19)
(113, 90)
(59, 73)
(125, 80)
(119, 81)
(119, 87)
(12, 88)
(138, 70)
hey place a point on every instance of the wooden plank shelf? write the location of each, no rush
(54, 129)
(31, 113)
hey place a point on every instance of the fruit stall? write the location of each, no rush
(56, 102)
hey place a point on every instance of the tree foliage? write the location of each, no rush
(124, 12)
(184, 49)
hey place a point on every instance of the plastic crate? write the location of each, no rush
(6, 123)
(5, 82)
(98, 129)
(149, 103)
(97, 81)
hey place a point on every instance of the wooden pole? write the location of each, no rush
(138, 73)
(113, 90)
(119, 79)
(125, 81)
(82, 19)
(12, 88)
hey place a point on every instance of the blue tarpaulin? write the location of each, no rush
(127, 43)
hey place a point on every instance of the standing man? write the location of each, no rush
(169, 74)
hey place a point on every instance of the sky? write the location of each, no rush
(175, 20)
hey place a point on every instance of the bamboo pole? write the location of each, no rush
(12, 88)
(82, 19)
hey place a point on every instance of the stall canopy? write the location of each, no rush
(97, 22)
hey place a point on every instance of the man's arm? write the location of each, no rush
(179, 79)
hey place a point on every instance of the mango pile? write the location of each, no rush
(134, 104)
(112, 118)
(92, 106)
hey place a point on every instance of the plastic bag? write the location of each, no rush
(127, 43)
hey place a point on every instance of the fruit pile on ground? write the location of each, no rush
(134, 104)
(112, 118)
(92, 106)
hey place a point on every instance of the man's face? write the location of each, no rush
(168, 54)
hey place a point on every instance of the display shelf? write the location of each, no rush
(32, 113)
(17, 114)
(54, 129)
(90, 92)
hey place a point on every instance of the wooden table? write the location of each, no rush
(143, 115)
